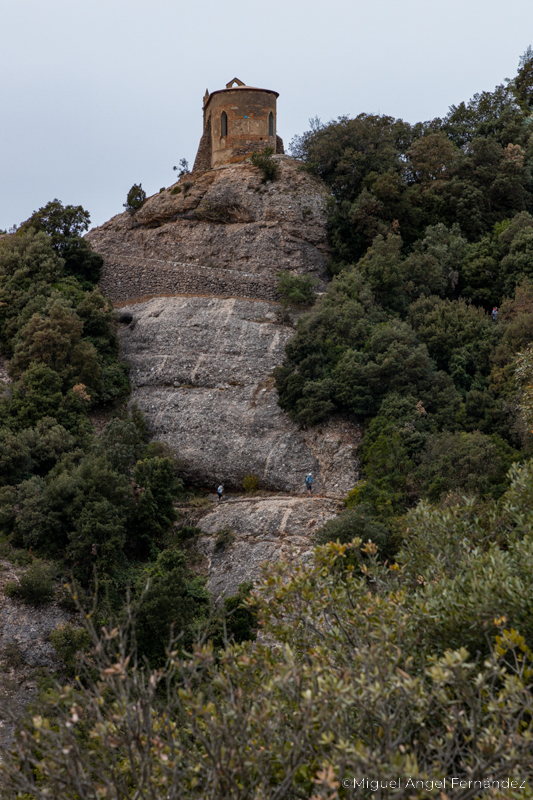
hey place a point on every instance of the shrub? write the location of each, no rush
(338, 675)
(35, 586)
(69, 643)
(224, 538)
(172, 603)
(136, 198)
(358, 522)
(266, 164)
(188, 533)
(13, 655)
(297, 289)
(250, 484)
(176, 190)
(240, 615)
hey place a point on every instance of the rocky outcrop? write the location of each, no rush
(242, 534)
(194, 275)
(221, 232)
(201, 371)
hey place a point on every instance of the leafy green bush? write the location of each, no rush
(297, 289)
(358, 522)
(240, 615)
(469, 463)
(35, 585)
(266, 164)
(173, 602)
(224, 538)
(70, 644)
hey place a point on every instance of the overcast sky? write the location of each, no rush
(101, 94)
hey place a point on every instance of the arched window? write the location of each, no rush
(224, 124)
(271, 124)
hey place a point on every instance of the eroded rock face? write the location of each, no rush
(242, 534)
(224, 233)
(201, 371)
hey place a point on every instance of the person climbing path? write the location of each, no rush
(220, 491)
(309, 484)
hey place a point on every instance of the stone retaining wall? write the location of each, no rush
(139, 277)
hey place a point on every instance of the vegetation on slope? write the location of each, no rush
(418, 673)
(431, 227)
(101, 507)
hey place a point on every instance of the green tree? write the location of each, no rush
(65, 225)
(29, 267)
(158, 488)
(135, 199)
(173, 604)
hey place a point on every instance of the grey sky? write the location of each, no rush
(101, 94)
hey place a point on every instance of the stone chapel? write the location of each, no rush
(238, 120)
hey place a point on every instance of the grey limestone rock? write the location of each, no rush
(242, 534)
(201, 371)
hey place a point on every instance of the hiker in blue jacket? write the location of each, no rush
(309, 484)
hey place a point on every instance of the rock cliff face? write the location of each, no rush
(240, 535)
(201, 372)
(194, 275)
(220, 232)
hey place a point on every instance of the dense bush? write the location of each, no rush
(173, 603)
(297, 289)
(69, 643)
(35, 585)
(361, 683)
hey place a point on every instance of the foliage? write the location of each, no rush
(266, 164)
(135, 199)
(35, 585)
(173, 602)
(297, 289)
(183, 168)
(365, 700)
(430, 227)
(358, 522)
(65, 225)
(12, 654)
(70, 643)
(250, 484)
(240, 615)
(158, 487)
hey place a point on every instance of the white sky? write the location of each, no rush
(101, 94)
